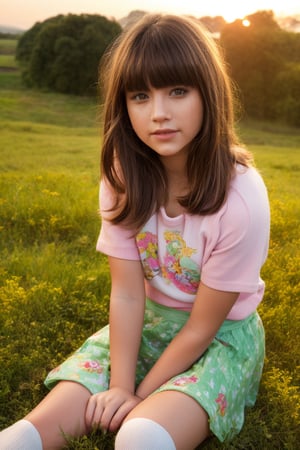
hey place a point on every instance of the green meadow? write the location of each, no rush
(54, 286)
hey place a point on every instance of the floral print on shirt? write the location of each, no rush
(147, 245)
(177, 266)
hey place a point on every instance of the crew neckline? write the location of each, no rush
(173, 220)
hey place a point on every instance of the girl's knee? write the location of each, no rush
(143, 434)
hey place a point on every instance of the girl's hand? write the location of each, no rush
(108, 409)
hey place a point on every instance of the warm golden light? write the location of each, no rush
(246, 23)
(33, 11)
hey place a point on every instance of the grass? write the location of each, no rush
(54, 287)
(8, 46)
(8, 61)
(33, 106)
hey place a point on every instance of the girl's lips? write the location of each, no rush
(164, 131)
(164, 134)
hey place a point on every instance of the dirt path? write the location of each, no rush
(8, 69)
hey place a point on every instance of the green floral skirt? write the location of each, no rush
(223, 381)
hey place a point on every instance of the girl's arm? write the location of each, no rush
(209, 311)
(127, 303)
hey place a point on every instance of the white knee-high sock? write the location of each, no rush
(22, 435)
(143, 434)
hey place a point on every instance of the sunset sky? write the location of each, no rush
(24, 13)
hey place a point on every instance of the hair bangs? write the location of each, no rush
(158, 60)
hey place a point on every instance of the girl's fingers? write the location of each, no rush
(120, 414)
(107, 410)
(100, 410)
(93, 408)
(103, 414)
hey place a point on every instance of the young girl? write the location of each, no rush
(185, 225)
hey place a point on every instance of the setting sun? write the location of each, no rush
(246, 23)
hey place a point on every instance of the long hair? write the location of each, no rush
(159, 51)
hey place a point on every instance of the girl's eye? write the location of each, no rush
(179, 91)
(139, 97)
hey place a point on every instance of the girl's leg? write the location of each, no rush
(176, 413)
(61, 413)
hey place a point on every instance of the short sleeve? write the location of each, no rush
(114, 240)
(242, 231)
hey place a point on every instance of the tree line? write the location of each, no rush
(63, 53)
(264, 61)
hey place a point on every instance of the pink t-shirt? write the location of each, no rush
(226, 250)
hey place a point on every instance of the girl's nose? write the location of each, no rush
(160, 109)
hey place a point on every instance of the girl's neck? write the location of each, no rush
(173, 208)
(178, 185)
(175, 165)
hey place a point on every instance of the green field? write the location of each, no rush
(8, 61)
(8, 46)
(54, 287)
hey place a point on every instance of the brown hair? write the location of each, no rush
(159, 51)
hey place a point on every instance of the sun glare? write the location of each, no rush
(246, 23)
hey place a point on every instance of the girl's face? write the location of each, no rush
(166, 119)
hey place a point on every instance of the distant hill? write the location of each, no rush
(5, 29)
(132, 17)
